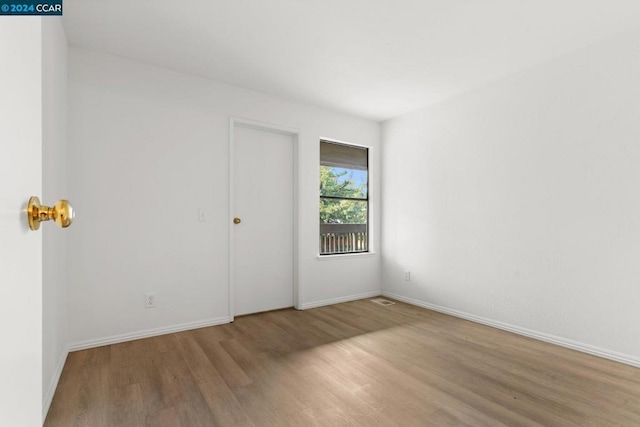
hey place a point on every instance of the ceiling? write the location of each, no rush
(372, 58)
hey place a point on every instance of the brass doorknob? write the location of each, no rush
(61, 213)
(237, 220)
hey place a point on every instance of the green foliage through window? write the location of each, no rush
(345, 185)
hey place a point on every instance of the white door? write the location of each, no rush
(20, 248)
(263, 202)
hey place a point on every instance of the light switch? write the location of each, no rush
(202, 216)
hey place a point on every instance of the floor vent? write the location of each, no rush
(382, 301)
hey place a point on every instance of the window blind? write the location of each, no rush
(343, 156)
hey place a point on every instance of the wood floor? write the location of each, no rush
(356, 363)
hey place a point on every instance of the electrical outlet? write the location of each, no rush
(407, 275)
(149, 300)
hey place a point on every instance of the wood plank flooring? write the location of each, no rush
(356, 363)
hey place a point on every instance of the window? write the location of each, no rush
(344, 198)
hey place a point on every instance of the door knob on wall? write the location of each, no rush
(62, 213)
(237, 220)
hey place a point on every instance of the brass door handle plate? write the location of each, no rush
(61, 213)
(237, 220)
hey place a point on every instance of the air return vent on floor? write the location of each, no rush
(382, 301)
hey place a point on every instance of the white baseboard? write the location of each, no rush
(338, 300)
(574, 345)
(115, 339)
(53, 384)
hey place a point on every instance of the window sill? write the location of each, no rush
(345, 256)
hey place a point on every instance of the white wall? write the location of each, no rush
(54, 187)
(519, 202)
(148, 147)
(21, 249)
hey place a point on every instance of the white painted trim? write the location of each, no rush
(296, 220)
(53, 384)
(563, 342)
(258, 125)
(338, 300)
(345, 256)
(268, 127)
(146, 333)
(231, 201)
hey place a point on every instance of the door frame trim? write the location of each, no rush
(267, 127)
